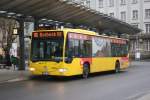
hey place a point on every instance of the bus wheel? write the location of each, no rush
(86, 71)
(117, 67)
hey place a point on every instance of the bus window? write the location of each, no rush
(41, 50)
(87, 48)
(124, 50)
(78, 48)
(119, 50)
(101, 47)
(46, 49)
(114, 50)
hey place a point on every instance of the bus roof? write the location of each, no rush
(82, 31)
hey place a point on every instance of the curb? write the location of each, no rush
(14, 80)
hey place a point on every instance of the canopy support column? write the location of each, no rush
(22, 45)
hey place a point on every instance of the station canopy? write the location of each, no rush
(62, 10)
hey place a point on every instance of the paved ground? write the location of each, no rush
(13, 75)
(130, 85)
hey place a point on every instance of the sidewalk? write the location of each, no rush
(13, 75)
(142, 60)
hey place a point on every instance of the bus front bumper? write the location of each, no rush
(57, 72)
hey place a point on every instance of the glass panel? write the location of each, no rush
(87, 48)
(101, 47)
(46, 49)
(119, 50)
(78, 48)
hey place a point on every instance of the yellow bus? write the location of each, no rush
(70, 52)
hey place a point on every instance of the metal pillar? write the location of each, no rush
(22, 45)
(36, 23)
(119, 35)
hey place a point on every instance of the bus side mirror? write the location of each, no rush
(68, 60)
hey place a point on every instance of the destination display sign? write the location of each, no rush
(49, 34)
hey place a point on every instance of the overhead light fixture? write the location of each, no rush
(77, 5)
(41, 25)
(19, 15)
(44, 19)
(49, 20)
(11, 13)
(68, 23)
(70, 2)
(2, 12)
(56, 21)
(60, 22)
(9, 16)
(29, 16)
(47, 24)
(82, 7)
(63, 0)
(88, 9)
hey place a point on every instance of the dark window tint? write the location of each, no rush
(120, 50)
(46, 49)
(78, 48)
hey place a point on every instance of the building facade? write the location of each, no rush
(134, 12)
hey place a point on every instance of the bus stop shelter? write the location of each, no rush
(59, 10)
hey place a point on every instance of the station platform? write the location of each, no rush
(11, 75)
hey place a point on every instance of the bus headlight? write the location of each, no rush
(32, 69)
(62, 70)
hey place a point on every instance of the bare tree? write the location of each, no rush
(6, 27)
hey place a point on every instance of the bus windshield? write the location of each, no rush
(47, 49)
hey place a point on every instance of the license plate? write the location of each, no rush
(45, 73)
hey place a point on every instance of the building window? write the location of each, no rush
(122, 2)
(135, 15)
(134, 1)
(84, 2)
(100, 3)
(147, 13)
(148, 45)
(145, 45)
(111, 14)
(88, 3)
(147, 28)
(134, 45)
(81, 2)
(146, 0)
(123, 16)
(111, 3)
